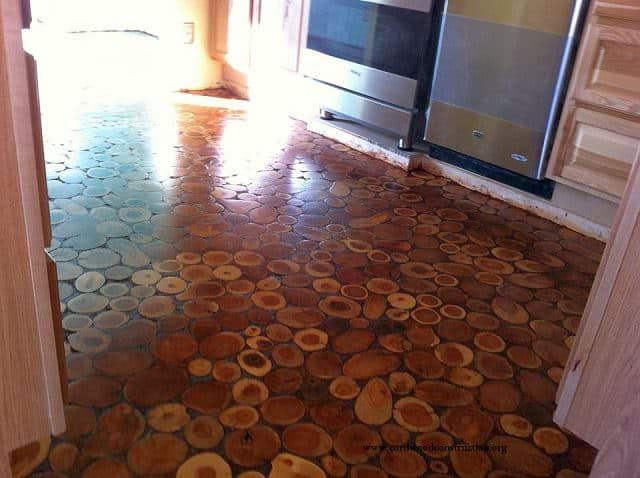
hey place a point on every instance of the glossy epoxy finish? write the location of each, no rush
(245, 287)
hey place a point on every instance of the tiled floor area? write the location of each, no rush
(262, 293)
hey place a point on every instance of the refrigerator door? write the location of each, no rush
(500, 72)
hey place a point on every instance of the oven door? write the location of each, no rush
(374, 47)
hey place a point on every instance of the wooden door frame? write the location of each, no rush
(31, 404)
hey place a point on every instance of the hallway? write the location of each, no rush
(235, 284)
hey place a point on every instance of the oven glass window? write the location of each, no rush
(384, 37)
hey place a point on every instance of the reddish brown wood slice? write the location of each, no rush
(350, 443)
(370, 364)
(252, 447)
(207, 397)
(468, 424)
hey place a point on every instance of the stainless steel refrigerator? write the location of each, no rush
(501, 71)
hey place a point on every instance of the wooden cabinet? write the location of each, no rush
(599, 136)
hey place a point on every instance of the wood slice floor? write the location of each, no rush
(251, 299)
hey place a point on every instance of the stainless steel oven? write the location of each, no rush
(368, 59)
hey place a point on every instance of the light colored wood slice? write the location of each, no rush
(519, 456)
(465, 377)
(499, 397)
(90, 340)
(227, 372)
(239, 416)
(177, 347)
(489, 342)
(140, 291)
(203, 432)
(168, 266)
(435, 444)
(288, 355)
(254, 362)
(401, 300)
(168, 417)
(357, 245)
(349, 443)
(355, 292)
(269, 300)
(260, 343)
(204, 465)
(374, 306)
(468, 424)
(516, 426)
(370, 364)
(156, 307)
(344, 388)
(283, 410)
(306, 439)
(252, 447)
(425, 316)
(227, 273)
(489, 278)
(424, 363)
(76, 322)
(286, 465)
(200, 367)
(403, 463)
(217, 258)
(27, 458)
(145, 277)
(397, 315)
(248, 258)
(319, 269)
(221, 345)
(124, 304)
(340, 307)
(453, 354)
(379, 256)
(381, 286)
(171, 285)
(87, 303)
(555, 374)
(470, 463)
(189, 258)
(429, 301)
(250, 392)
(452, 311)
(89, 281)
(415, 415)
(208, 398)
(197, 273)
(509, 310)
(551, 440)
(62, 457)
(240, 287)
(157, 454)
(268, 283)
(311, 339)
(418, 270)
(110, 319)
(279, 332)
(374, 404)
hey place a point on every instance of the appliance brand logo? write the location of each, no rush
(356, 72)
(519, 157)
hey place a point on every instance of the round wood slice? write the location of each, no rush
(239, 416)
(104, 468)
(493, 366)
(189, 258)
(227, 372)
(349, 443)
(435, 444)
(319, 269)
(200, 367)
(145, 277)
(452, 311)
(499, 397)
(283, 380)
(370, 364)
(252, 447)
(254, 362)
(80, 421)
(250, 392)
(283, 410)
(394, 435)
(401, 300)
(470, 463)
(426, 316)
(403, 463)
(90, 340)
(157, 454)
(495, 266)
(468, 424)
(300, 317)
(168, 417)
(424, 364)
(171, 285)
(516, 425)
(489, 342)
(415, 415)
(443, 394)
(519, 456)
(286, 465)
(63, 456)
(401, 383)
(95, 391)
(333, 466)
(217, 258)
(268, 300)
(177, 347)
(156, 307)
(203, 432)
(537, 386)
(465, 377)
(279, 333)
(344, 388)
(340, 307)
(381, 286)
(208, 398)
(453, 354)
(374, 405)
(323, 364)
(307, 439)
(311, 339)
(288, 355)
(283, 267)
(532, 280)
(509, 310)
(204, 465)
(551, 440)
(221, 345)
(268, 283)
(353, 341)
(417, 270)
(116, 431)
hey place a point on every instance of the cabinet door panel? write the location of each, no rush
(601, 151)
(612, 63)
(624, 9)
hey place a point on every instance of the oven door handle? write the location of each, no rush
(417, 5)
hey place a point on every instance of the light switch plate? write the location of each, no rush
(188, 32)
